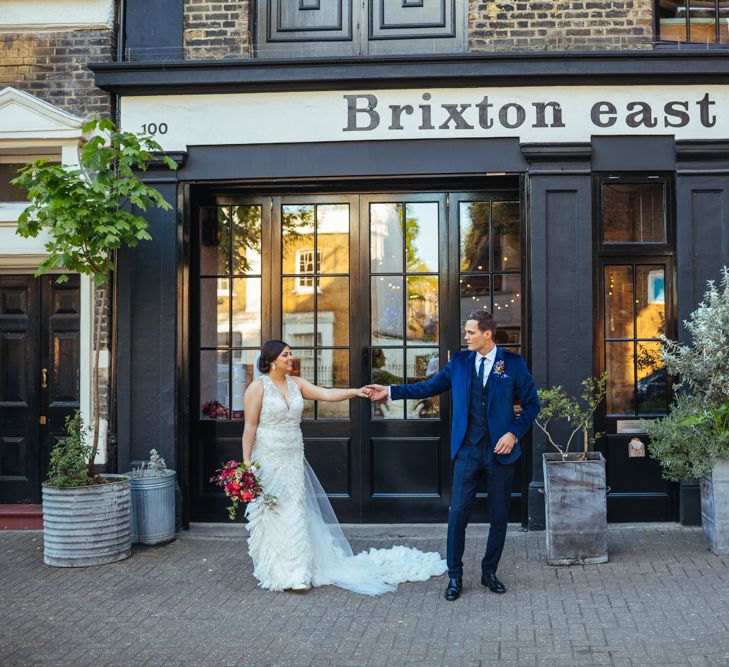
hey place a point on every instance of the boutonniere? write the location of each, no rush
(498, 369)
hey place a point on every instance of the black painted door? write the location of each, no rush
(39, 377)
(364, 288)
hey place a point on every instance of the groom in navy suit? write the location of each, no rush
(485, 436)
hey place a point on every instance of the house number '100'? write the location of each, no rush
(154, 128)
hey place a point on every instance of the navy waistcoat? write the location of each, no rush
(478, 426)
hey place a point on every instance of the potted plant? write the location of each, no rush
(153, 501)
(692, 441)
(85, 213)
(574, 483)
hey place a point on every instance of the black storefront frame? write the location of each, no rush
(232, 193)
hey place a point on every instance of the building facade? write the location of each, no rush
(47, 93)
(355, 177)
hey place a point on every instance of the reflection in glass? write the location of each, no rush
(475, 295)
(422, 309)
(422, 363)
(246, 312)
(633, 213)
(507, 249)
(474, 235)
(244, 373)
(333, 237)
(387, 306)
(386, 238)
(421, 237)
(297, 309)
(333, 371)
(621, 377)
(650, 301)
(215, 240)
(297, 237)
(333, 310)
(304, 363)
(214, 302)
(387, 369)
(652, 386)
(246, 240)
(694, 21)
(507, 308)
(618, 281)
(214, 381)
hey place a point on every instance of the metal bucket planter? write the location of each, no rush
(575, 508)
(153, 508)
(715, 507)
(87, 525)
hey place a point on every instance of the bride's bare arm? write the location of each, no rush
(252, 406)
(312, 392)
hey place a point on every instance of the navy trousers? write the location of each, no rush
(471, 464)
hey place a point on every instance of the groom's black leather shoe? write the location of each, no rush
(453, 592)
(489, 580)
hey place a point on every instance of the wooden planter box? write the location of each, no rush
(576, 508)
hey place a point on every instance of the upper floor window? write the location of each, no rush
(694, 21)
(348, 27)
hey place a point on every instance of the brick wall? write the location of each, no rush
(560, 25)
(52, 66)
(217, 30)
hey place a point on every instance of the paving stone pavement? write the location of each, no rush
(663, 599)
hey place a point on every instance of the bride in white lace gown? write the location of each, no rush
(299, 544)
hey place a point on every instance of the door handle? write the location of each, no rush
(44, 380)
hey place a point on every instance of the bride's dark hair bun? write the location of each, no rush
(269, 353)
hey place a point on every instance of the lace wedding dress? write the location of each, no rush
(299, 543)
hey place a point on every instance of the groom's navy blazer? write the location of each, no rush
(501, 388)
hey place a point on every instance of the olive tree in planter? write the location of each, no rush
(86, 215)
(574, 483)
(692, 441)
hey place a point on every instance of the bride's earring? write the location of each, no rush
(273, 366)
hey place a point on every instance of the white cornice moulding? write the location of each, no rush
(21, 15)
(25, 117)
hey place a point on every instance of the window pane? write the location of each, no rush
(333, 237)
(247, 239)
(304, 363)
(422, 364)
(387, 369)
(421, 237)
(507, 250)
(387, 315)
(333, 371)
(621, 378)
(474, 230)
(244, 372)
(650, 301)
(246, 312)
(333, 310)
(214, 384)
(507, 308)
(633, 213)
(422, 307)
(652, 385)
(215, 240)
(10, 192)
(214, 301)
(297, 235)
(297, 307)
(702, 17)
(386, 238)
(475, 295)
(618, 301)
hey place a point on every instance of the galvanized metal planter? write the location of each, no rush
(153, 508)
(715, 507)
(575, 508)
(87, 525)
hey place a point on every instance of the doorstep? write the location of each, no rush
(21, 517)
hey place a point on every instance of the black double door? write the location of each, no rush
(39, 377)
(365, 288)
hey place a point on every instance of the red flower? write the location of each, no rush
(247, 496)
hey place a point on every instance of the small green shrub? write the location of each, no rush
(69, 457)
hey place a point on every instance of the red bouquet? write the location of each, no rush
(241, 485)
(214, 409)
